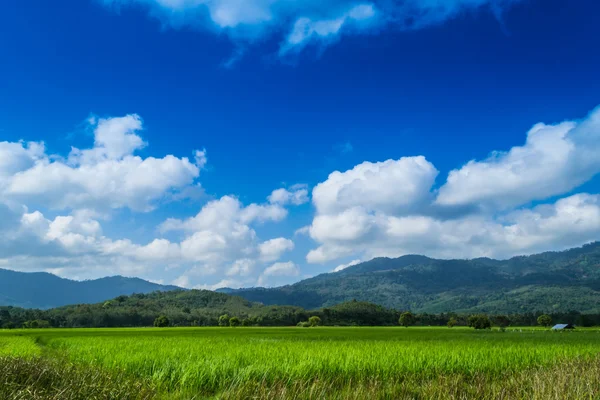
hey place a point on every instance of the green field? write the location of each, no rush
(239, 363)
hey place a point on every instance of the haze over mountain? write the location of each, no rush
(551, 281)
(44, 290)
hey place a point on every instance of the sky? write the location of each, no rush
(232, 143)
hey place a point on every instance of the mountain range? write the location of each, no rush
(43, 290)
(552, 282)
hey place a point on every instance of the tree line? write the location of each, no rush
(202, 308)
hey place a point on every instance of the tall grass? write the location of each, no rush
(17, 346)
(331, 362)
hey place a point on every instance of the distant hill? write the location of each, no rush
(181, 307)
(550, 282)
(43, 290)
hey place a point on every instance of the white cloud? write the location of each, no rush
(273, 249)
(554, 160)
(224, 215)
(390, 186)
(106, 176)
(344, 266)
(389, 209)
(303, 21)
(278, 273)
(374, 209)
(81, 189)
(307, 29)
(569, 222)
(297, 195)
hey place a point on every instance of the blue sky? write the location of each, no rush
(188, 115)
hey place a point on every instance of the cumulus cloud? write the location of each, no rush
(392, 208)
(273, 249)
(388, 208)
(278, 273)
(296, 195)
(105, 176)
(218, 241)
(554, 160)
(79, 191)
(304, 21)
(388, 186)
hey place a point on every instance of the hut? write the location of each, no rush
(562, 327)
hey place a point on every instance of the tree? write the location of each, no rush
(234, 321)
(224, 320)
(544, 320)
(246, 322)
(407, 319)
(480, 321)
(161, 322)
(314, 321)
(452, 322)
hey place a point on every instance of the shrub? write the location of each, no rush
(161, 322)
(234, 321)
(224, 320)
(544, 320)
(314, 321)
(480, 321)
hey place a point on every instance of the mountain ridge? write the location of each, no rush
(550, 281)
(44, 290)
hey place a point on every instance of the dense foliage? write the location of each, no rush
(206, 308)
(553, 282)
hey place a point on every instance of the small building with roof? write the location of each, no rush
(562, 327)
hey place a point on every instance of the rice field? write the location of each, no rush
(296, 363)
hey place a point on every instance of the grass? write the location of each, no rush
(240, 363)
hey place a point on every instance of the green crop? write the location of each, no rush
(340, 363)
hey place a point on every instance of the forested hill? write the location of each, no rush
(43, 290)
(206, 308)
(550, 282)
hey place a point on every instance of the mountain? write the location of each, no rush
(43, 290)
(549, 282)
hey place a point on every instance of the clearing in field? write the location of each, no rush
(337, 363)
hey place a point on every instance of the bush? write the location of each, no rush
(224, 320)
(480, 321)
(161, 322)
(452, 322)
(36, 324)
(544, 320)
(234, 321)
(314, 321)
(303, 324)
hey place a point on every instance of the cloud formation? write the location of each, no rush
(393, 208)
(300, 22)
(106, 176)
(554, 160)
(513, 202)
